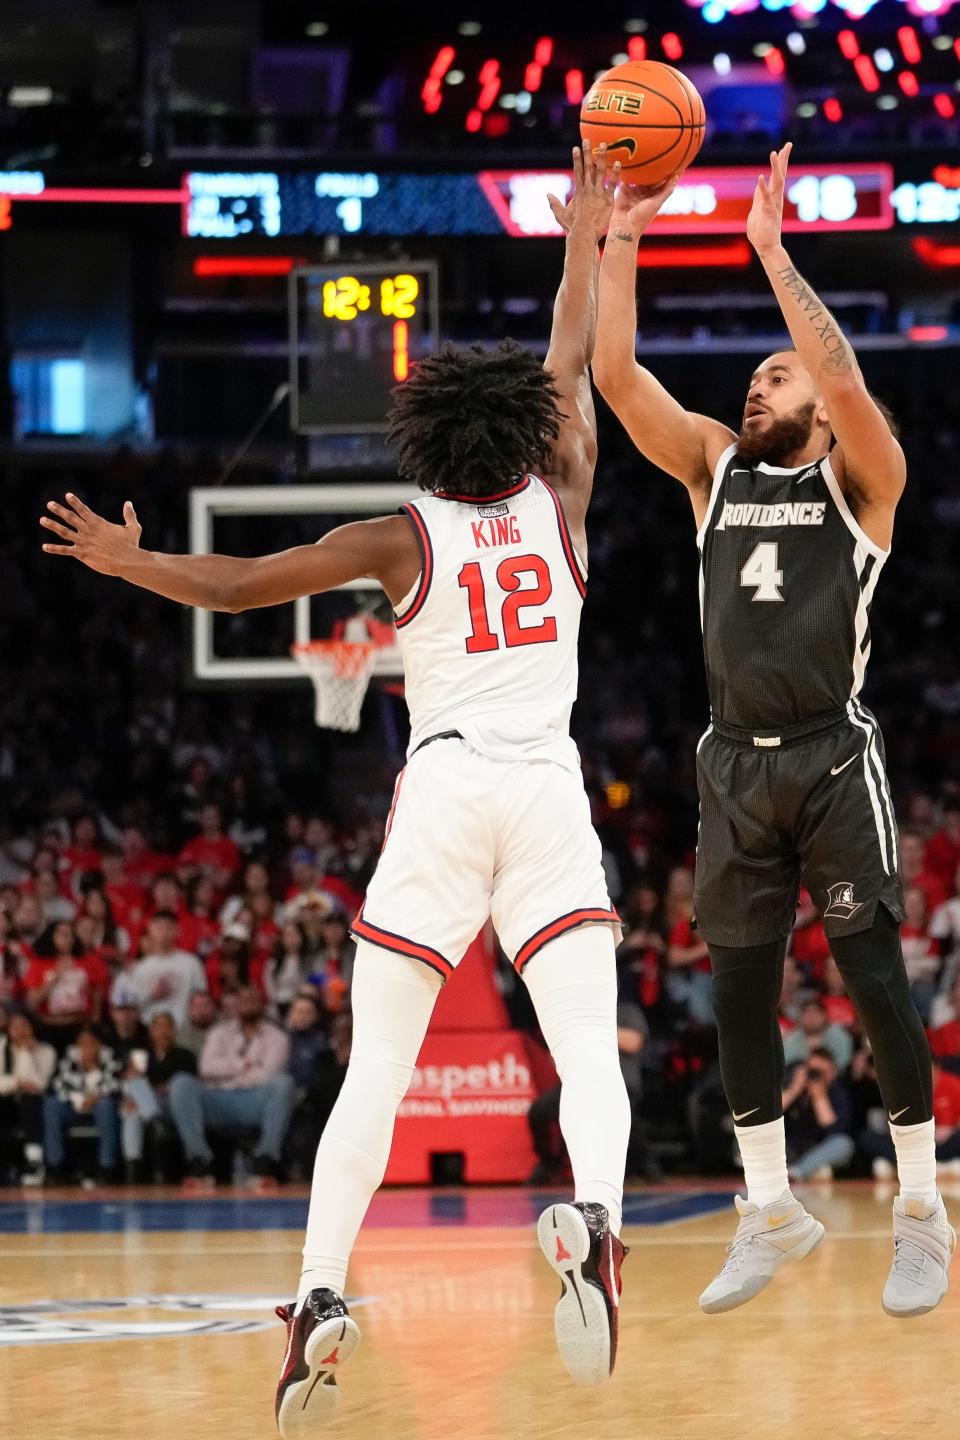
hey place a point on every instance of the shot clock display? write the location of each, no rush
(355, 330)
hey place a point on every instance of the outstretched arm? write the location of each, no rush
(383, 550)
(683, 443)
(574, 329)
(868, 460)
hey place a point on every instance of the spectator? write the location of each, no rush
(146, 1086)
(308, 1040)
(945, 927)
(128, 900)
(211, 852)
(27, 1066)
(264, 928)
(945, 1032)
(98, 930)
(689, 981)
(83, 853)
(645, 946)
(817, 1116)
(942, 854)
(230, 967)
(287, 969)
(199, 927)
(791, 996)
(332, 963)
(202, 1015)
(312, 1066)
(11, 961)
(543, 1116)
(28, 919)
(58, 985)
(126, 1033)
(243, 1085)
(836, 1002)
(808, 940)
(166, 976)
(141, 864)
(935, 887)
(54, 905)
(256, 881)
(87, 1083)
(921, 951)
(813, 1033)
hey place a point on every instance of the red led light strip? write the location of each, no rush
(207, 266)
(734, 255)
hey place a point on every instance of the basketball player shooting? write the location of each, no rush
(487, 576)
(794, 523)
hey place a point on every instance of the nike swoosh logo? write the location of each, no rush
(626, 142)
(744, 1113)
(773, 1221)
(836, 771)
(899, 1113)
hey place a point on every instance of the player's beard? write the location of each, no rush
(783, 437)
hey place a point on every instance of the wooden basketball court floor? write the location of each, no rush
(142, 1317)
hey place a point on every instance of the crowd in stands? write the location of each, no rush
(157, 1008)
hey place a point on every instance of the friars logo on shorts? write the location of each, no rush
(842, 904)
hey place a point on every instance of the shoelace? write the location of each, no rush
(909, 1259)
(736, 1254)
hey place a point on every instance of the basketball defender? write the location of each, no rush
(794, 523)
(487, 575)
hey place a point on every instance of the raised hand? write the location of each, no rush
(94, 541)
(766, 213)
(636, 205)
(591, 200)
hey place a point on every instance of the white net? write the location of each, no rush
(340, 671)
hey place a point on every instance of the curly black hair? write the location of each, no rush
(468, 420)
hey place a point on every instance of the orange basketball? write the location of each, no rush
(650, 116)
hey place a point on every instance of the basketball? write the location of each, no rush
(650, 116)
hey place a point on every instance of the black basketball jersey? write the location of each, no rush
(786, 581)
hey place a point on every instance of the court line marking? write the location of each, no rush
(387, 1248)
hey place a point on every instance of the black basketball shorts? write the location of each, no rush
(776, 810)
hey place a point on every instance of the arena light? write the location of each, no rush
(909, 44)
(883, 60)
(721, 63)
(532, 76)
(849, 44)
(432, 92)
(732, 255)
(543, 51)
(927, 334)
(908, 82)
(637, 47)
(866, 73)
(672, 45)
(796, 43)
(489, 84)
(206, 267)
(473, 121)
(774, 61)
(833, 110)
(935, 254)
(573, 82)
(944, 106)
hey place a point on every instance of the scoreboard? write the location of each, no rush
(708, 201)
(355, 331)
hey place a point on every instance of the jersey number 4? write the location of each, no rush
(515, 599)
(762, 572)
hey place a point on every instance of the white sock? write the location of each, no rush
(764, 1151)
(916, 1149)
(573, 985)
(392, 1000)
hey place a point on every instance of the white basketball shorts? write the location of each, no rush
(470, 838)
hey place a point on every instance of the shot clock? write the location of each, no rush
(355, 331)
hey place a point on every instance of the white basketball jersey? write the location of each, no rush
(489, 632)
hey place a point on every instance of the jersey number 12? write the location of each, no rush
(515, 599)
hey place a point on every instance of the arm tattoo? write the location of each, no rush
(838, 354)
(623, 235)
